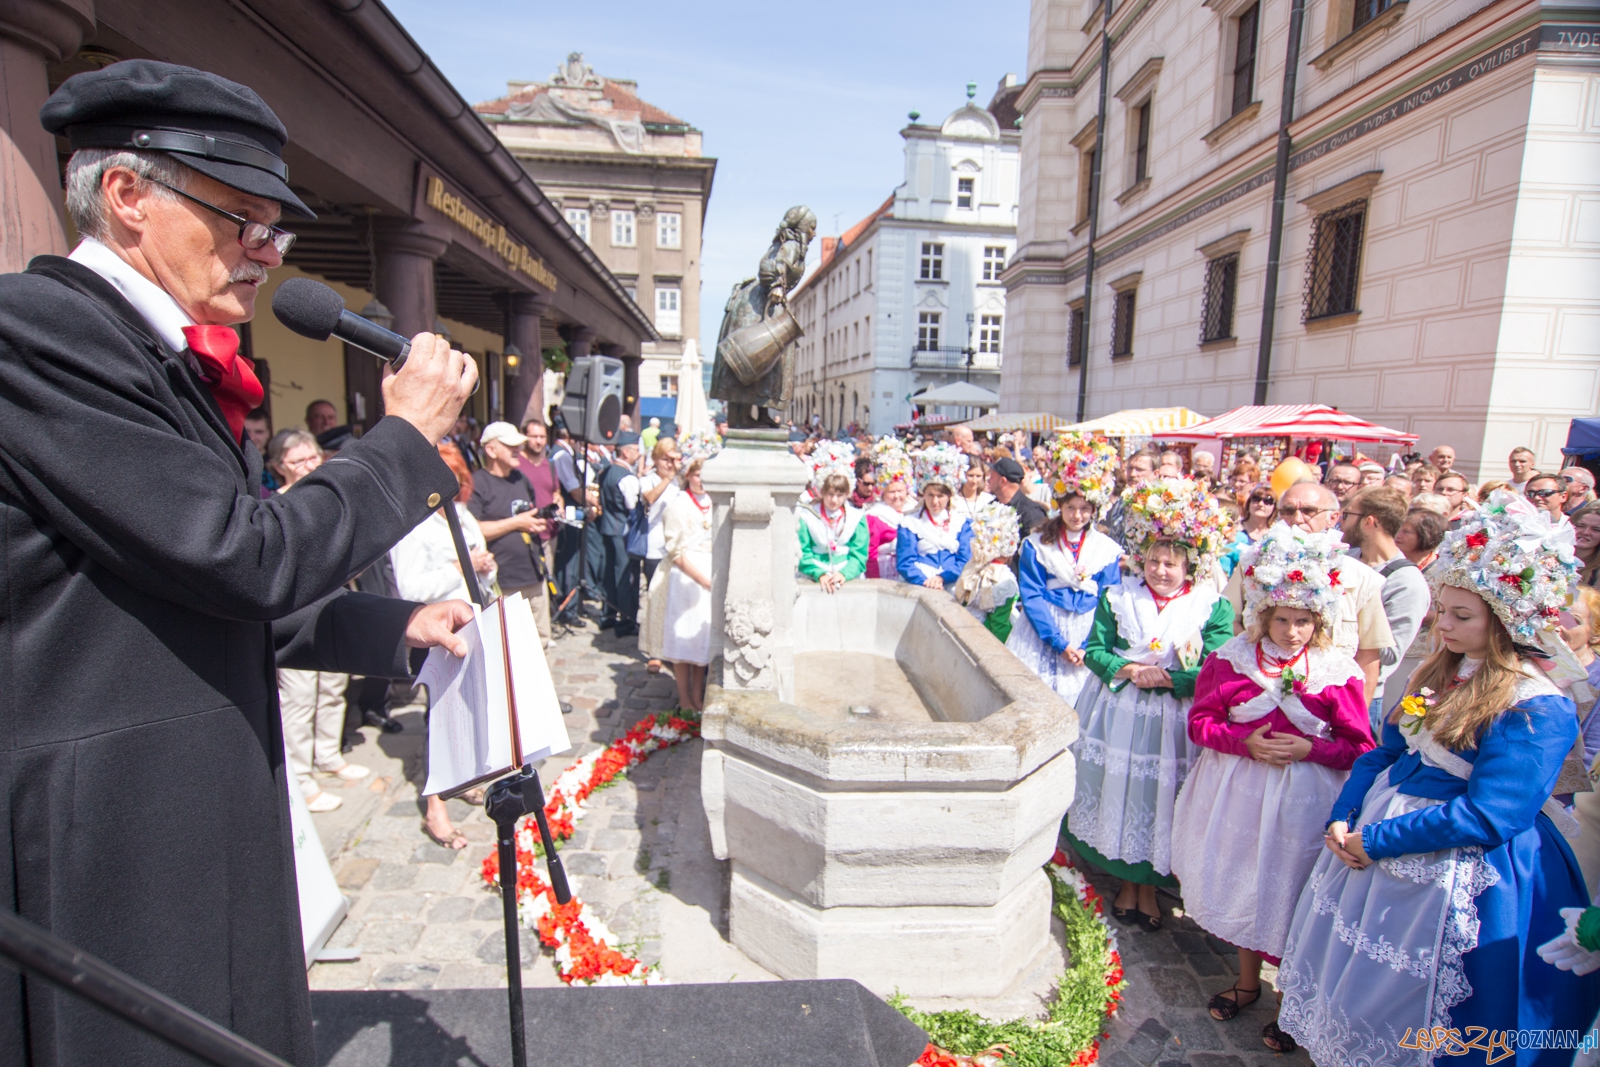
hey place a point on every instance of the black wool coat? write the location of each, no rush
(146, 595)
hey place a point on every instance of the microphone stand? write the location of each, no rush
(508, 800)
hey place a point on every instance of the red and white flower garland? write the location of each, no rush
(1088, 994)
(584, 947)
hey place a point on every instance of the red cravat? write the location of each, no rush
(230, 376)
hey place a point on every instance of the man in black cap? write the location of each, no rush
(150, 591)
(1005, 482)
(619, 495)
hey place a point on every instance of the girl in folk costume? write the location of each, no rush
(833, 535)
(893, 466)
(971, 496)
(1281, 716)
(987, 587)
(934, 543)
(1414, 938)
(681, 587)
(1065, 565)
(1149, 637)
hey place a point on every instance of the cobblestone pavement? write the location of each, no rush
(422, 917)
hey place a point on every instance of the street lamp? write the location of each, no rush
(969, 352)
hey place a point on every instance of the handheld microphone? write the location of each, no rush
(313, 310)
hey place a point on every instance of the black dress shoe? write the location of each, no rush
(627, 630)
(387, 723)
(607, 624)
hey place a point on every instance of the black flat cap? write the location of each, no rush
(1009, 469)
(220, 128)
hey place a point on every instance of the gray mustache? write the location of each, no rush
(248, 271)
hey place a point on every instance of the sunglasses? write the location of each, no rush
(1310, 513)
(252, 235)
(1542, 494)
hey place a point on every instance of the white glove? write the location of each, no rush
(1564, 953)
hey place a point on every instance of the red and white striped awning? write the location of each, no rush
(1313, 421)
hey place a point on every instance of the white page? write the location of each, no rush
(469, 734)
(539, 723)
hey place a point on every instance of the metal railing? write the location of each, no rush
(953, 359)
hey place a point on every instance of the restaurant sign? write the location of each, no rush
(493, 235)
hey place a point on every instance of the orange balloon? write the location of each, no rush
(1293, 469)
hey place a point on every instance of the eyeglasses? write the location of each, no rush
(1343, 483)
(1290, 510)
(1541, 494)
(1352, 516)
(252, 235)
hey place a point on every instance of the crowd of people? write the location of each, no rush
(1346, 715)
(1310, 699)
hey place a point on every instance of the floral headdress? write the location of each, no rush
(1290, 568)
(1508, 552)
(830, 458)
(1086, 464)
(698, 446)
(996, 533)
(891, 461)
(1178, 510)
(939, 464)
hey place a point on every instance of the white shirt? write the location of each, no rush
(425, 565)
(658, 535)
(151, 301)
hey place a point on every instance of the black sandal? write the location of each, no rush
(1222, 1009)
(1277, 1040)
(1124, 915)
(1147, 921)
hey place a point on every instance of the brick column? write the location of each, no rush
(525, 389)
(405, 276)
(33, 33)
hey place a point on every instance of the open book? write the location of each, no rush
(495, 709)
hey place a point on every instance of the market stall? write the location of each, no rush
(1012, 422)
(1275, 431)
(1135, 428)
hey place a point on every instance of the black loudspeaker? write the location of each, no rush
(592, 403)
(735, 1024)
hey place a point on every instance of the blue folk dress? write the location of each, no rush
(925, 549)
(1059, 590)
(1441, 931)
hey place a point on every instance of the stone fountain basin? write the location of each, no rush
(877, 846)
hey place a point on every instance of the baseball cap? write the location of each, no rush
(1009, 469)
(503, 432)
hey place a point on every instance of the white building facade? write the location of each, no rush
(912, 296)
(1440, 248)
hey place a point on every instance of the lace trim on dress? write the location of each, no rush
(1096, 554)
(931, 538)
(1154, 637)
(1325, 667)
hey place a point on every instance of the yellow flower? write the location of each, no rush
(1155, 644)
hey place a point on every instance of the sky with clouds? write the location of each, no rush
(799, 104)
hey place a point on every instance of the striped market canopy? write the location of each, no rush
(1139, 422)
(1030, 422)
(1291, 420)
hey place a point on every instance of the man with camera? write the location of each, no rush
(502, 502)
(150, 591)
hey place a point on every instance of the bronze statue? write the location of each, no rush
(754, 371)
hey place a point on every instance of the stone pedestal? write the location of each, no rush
(902, 852)
(754, 483)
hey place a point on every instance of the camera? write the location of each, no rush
(549, 513)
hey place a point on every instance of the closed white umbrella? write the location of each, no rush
(693, 413)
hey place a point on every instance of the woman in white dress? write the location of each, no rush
(1064, 567)
(657, 489)
(971, 497)
(687, 568)
(426, 569)
(1149, 638)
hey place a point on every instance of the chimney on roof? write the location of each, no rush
(829, 245)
